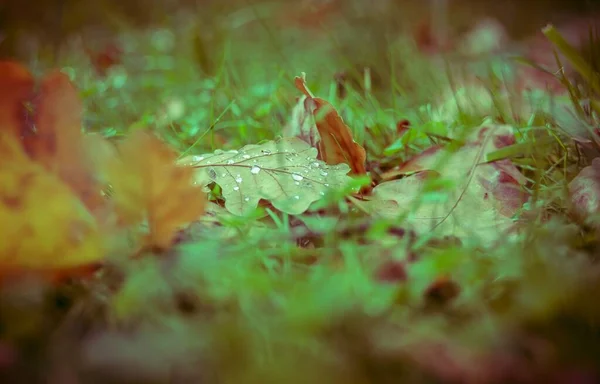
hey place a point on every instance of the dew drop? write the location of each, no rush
(327, 185)
(323, 173)
(316, 165)
(266, 151)
(230, 161)
(297, 197)
(219, 152)
(233, 152)
(246, 199)
(322, 193)
(236, 188)
(297, 177)
(246, 156)
(297, 183)
(211, 173)
(223, 174)
(198, 158)
(255, 170)
(238, 179)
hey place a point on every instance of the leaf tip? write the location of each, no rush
(300, 83)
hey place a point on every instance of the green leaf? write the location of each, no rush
(286, 173)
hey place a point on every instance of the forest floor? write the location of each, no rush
(275, 206)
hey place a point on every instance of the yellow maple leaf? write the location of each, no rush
(43, 225)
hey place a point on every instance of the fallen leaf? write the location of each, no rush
(584, 190)
(16, 87)
(286, 173)
(336, 144)
(43, 225)
(149, 185)
(454, 192)
(58, 142)
(302, 124)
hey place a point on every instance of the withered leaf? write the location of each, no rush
(451, 188)
(149, 185)
(336, 144)
(584, 191)
(285, 173)
(43, 225)
(16, 87)
(58, 140)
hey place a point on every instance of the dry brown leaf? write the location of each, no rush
(58, 141)
(336, 145)
(148, 185)
(16, 87)
(43, 225)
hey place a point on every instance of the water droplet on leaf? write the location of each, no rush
(236, 188)
(297, 177)
(211, 173)
(255, 169)
(238, 179)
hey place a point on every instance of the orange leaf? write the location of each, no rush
(149, 185)
(58, 141)
(336, 145)
(16, 87)
(43, 225)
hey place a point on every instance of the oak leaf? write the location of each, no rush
(149, 186)
(286, 173)
(43, 225)
(336, 144)
(454, 192)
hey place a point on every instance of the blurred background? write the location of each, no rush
(47, 24)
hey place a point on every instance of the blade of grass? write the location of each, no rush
(574, 57)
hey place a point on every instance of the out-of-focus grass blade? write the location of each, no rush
(520, 149)
(574, 57)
